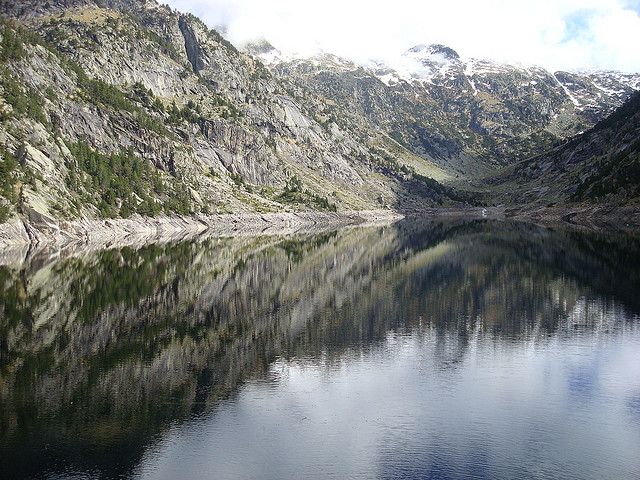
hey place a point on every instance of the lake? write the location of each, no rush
(475, 349)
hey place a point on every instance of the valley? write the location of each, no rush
(119, 109)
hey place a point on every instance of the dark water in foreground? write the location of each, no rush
(419, 350)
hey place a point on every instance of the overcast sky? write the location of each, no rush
(556, 34)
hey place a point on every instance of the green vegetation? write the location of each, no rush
(117, 184)
(190, 112)
(397, 136)
(14, 39)
(260, 72)
(619, 170)
(239, 181)
(26, 102)
(142, 94)
(99, 92)
(166, 46)
(390, 166)
(382, 160)
(15, 306)
(223, 107)
(297, 248)
(442, 190)
(124, 280)
(113, 180)
(12, 42)
(4, 213)
(7, 166)
(622, 171)
(228, 110)
(120, 184)
(294, 194)
(12, 175)
(51, 94)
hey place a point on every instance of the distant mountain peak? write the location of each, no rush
(434, 51)
(421, 47)
(265, 51)
(259, 47)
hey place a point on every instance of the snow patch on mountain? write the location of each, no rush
(568, 92)
(438, 68)
(433, 64)
(441, 66)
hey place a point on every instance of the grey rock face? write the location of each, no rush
(210, 120)
(191, 45)
(26, 9)
(463, 114)
(220, 132)
(602, 166)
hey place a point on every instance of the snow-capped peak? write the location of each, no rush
(421, 62)
(434, 53)
(265, 52)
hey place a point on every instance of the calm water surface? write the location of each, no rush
(450, 349)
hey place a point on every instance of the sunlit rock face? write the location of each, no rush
(216, 131)
(220, 130)
(465, 114)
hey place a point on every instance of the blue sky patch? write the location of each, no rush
(633, 5)
(578, 25)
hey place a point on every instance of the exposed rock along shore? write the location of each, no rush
(21, 233)
(143, 230)
(584, 216)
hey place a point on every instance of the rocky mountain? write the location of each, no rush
(120, 107)
(602, 166)
(465, 115)
(114, 108)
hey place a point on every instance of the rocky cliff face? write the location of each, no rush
(97, 93)
(121, 107)
(465, 115)
(26, 9)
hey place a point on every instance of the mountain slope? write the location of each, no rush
(467, 116)
(600, 166)
(125, 106)
(115, 108)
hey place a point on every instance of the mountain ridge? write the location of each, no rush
(501, 104)
(224, 141)
(602, 163)
(125, 107)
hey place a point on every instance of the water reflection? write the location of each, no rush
(109, 359)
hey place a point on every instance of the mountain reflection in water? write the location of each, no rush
(106, 358)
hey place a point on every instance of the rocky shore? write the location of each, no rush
(586, 216)
(22, 237)
(19, 236)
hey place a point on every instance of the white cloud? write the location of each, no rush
(555, 34)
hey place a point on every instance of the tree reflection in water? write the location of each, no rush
(101, 353)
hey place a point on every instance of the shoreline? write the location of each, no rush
(595, 217)
(580, 216)
(21, 237)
